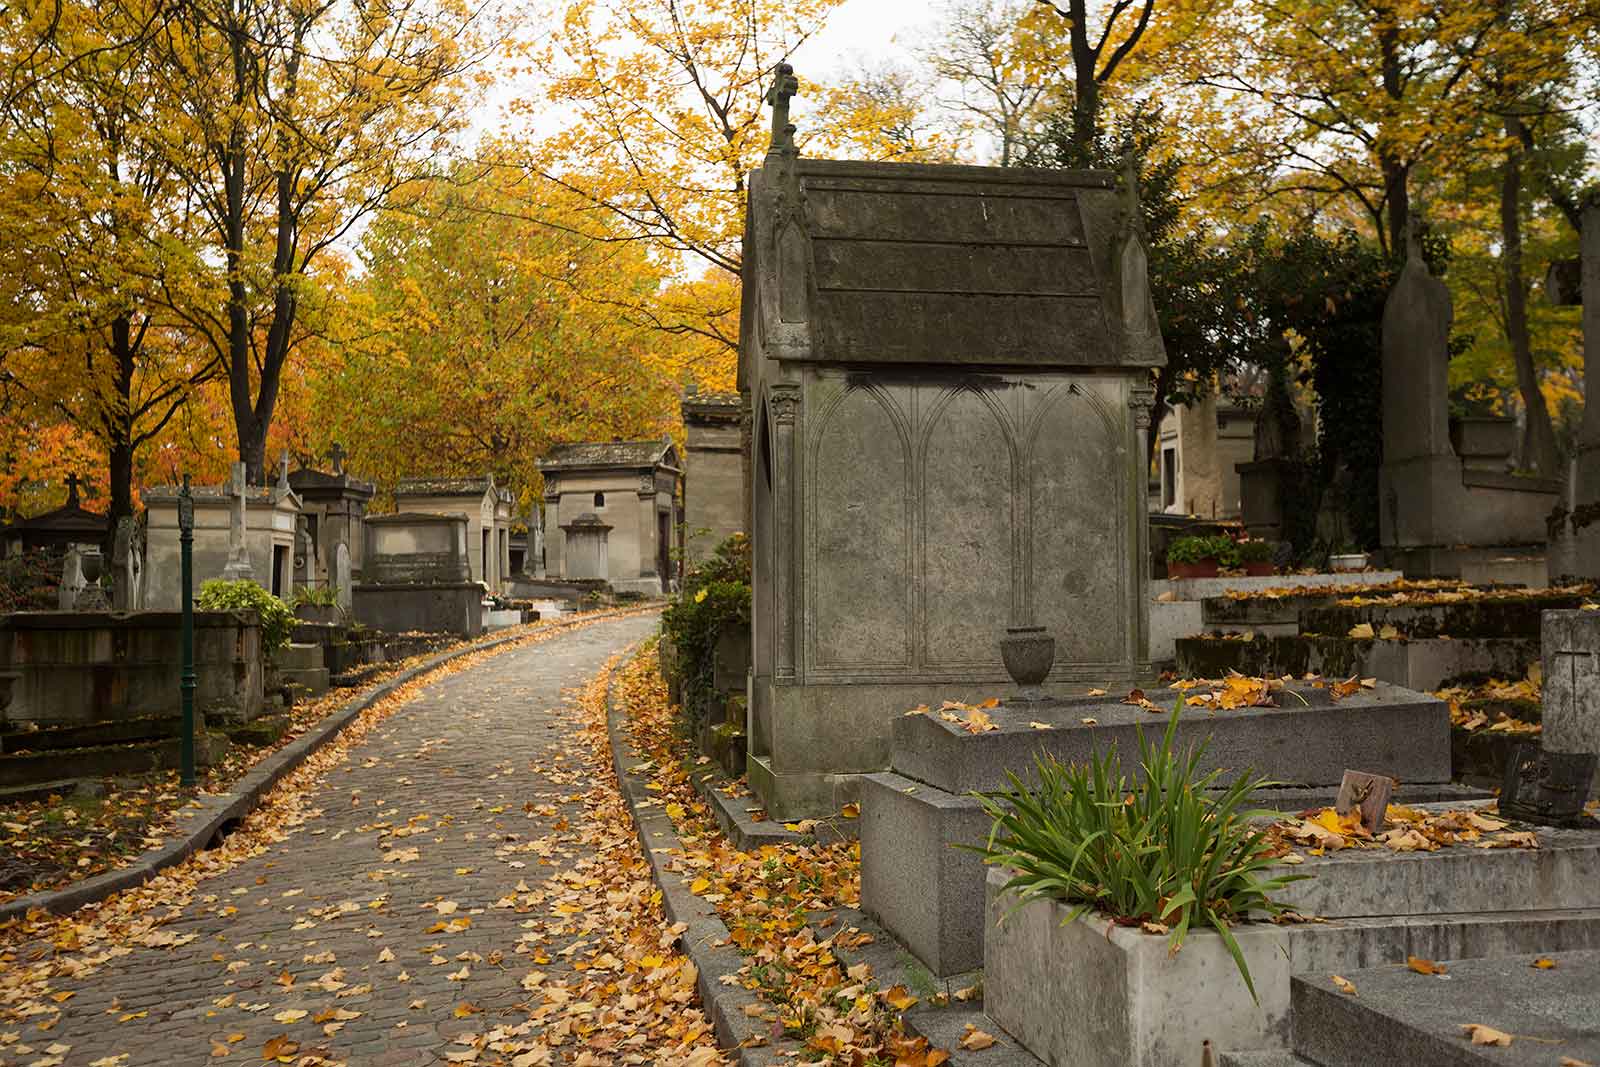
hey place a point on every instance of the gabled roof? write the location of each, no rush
(631, 455)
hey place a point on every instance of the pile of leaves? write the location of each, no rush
(1429, 594)
(1404, 829)
(1401, 585)
(780, 904)
(1467, 712)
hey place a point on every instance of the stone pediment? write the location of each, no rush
(909, 263)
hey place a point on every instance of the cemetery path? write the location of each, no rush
(403, 889)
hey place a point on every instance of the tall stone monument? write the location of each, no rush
(1437, 513)
(949, 371)
(1581, 524)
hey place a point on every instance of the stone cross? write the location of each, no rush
(1570, 643)
(336, 455)
(238, 567)
(72, 490)
(283, 472)
(785, 86)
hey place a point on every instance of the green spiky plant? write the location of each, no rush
(1162, 848)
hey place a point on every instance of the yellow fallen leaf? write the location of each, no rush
(1040, 726)
(1543, 963)
(1344, 985)
(850, 811)
(1422, 966)
(1097, 692)
(290, 1015)
(1486, 1035)
(1362, 631)
(1570, 1061)
(973, 1039)
(899, 998)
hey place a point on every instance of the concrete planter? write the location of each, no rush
(1261, 569)
(1091, 994)
(1348, 563)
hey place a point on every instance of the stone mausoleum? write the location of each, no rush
(488, 511)
(715, 504)
(949, 370)
(612, 513)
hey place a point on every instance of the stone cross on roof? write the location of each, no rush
(72, 489)
(336, 455)
(785, 86)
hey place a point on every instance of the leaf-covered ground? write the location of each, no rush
(455, 879)
(780, 904)
(51, 842)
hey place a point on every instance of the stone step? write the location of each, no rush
(312, 680)
(1506, 616)
(1561, 873)
(1400, 1016)
(945, 1028)
(1423, 664)
(1308, 740)
(298, 657)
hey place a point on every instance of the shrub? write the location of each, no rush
(715, 595)
(1254, 551)
(1158, 849)
(277, 620)
(1193, 549)
(317, 596)
(30, 581)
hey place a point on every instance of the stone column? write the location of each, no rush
(648, 549)
(1141, 399)
(1585, 494)
(785, 402)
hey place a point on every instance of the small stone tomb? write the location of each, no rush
(418, 576)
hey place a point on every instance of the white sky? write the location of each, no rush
(870, 30)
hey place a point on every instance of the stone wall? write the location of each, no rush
(78, 667)
(438, 608)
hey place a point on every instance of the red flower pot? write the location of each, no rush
(1260, 569)
(1205, 568)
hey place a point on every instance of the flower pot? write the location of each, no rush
(1028, 652)
(1203, 568)
(325, 614)
(1348, 563)
(1260, 569)
(1094, 994)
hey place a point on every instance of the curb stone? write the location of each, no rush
(214, 812)
(706, 938)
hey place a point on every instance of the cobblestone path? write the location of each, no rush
(379, 901)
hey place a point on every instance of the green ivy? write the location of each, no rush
(277, 620)
(715, 595)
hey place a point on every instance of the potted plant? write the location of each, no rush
(1192, 557)
(1256, 557)
(1347, 559)
(317, 603)
(1119, 895)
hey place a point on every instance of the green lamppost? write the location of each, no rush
(186, 682)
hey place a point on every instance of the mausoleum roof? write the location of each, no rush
(620, 454)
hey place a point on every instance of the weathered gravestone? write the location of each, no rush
(1436, 512)
(1571, 689)
(949, 372)
(342, 589)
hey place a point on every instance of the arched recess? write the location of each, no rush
(1078, 527)
(860, 543)
(968, 521)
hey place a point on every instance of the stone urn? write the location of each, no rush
(1028, 652)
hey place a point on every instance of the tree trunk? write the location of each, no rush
(119, 422)
(1539, 439)
(1086, 99)
(1396, 197)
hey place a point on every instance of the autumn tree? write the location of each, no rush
(1005, 69)
(93, 216)
(294, 121)
(1097, 53)
(480, 331)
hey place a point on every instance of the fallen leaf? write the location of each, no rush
(899, 998)
(1543, 963)
(850, 811)
(1040, 726)
(290, 1015)
(1422, 966)
(1362, 631)
(973, 1039)
(1344, 985)
(1486, 1035)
